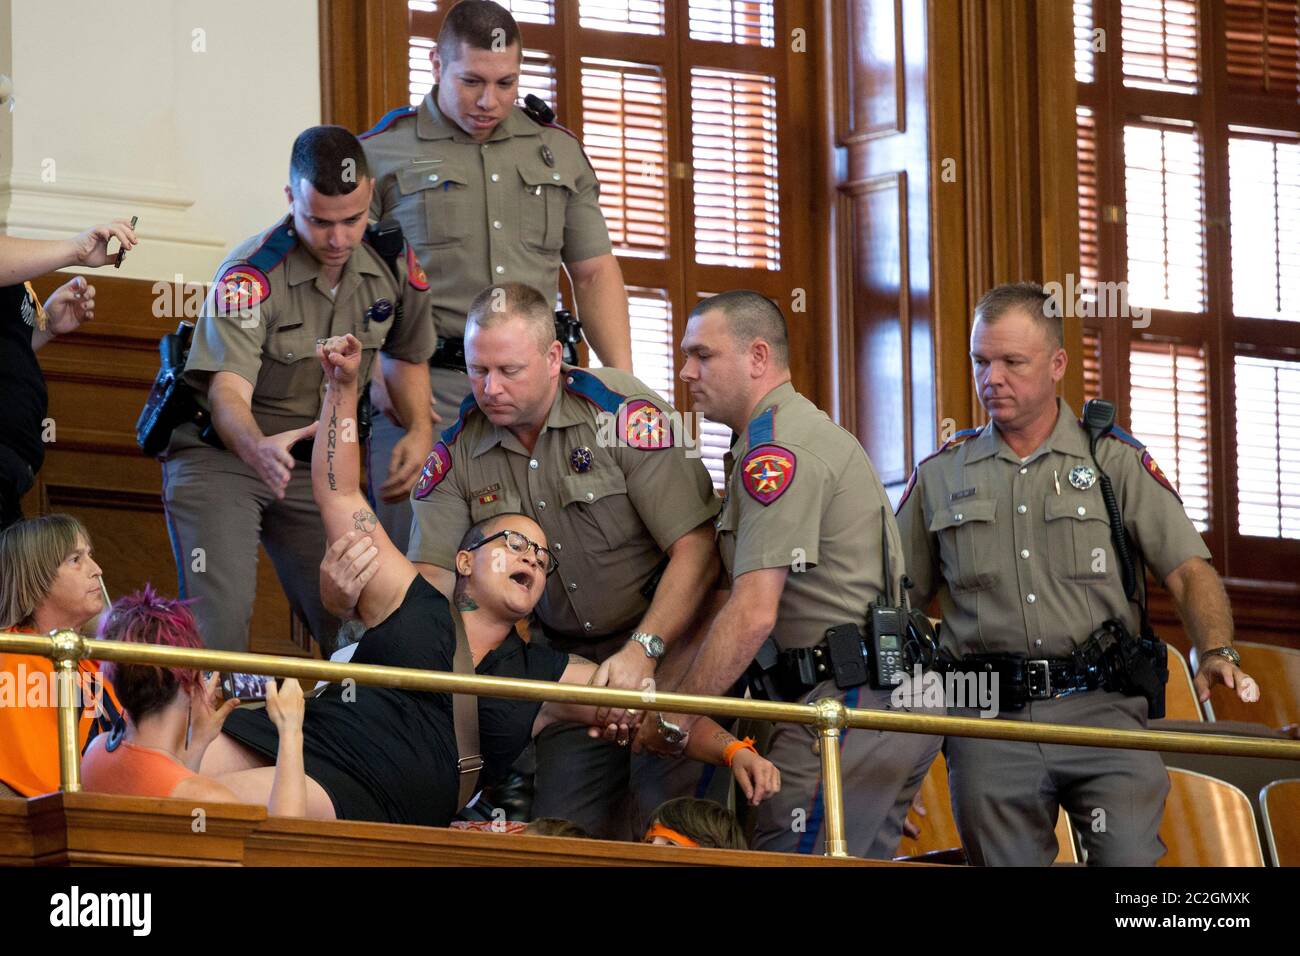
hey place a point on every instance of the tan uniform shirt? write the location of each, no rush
(270, 304)
(610, 509)
(802, 494)
(506, 210)
(1021, 567)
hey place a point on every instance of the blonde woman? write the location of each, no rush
(49, 581)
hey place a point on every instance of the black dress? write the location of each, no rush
(389, 755)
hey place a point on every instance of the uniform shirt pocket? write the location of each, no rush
(544, 204)
(600, 507)
(444, 191)
(966, 544)
(1078, 538)
(289, 358)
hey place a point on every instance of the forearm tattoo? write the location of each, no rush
(331, 444)
(365, 521)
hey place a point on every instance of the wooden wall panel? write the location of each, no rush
(98, 379)
(875, 215)
(884, 325)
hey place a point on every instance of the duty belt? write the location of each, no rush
(1022, 679)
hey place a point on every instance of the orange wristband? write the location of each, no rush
(735, 747)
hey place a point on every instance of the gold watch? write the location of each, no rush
(1224, 651)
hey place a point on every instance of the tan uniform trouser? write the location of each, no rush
(880, 772)
(218, 509)
(1006, 795)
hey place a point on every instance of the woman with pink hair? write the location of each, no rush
(172, 714)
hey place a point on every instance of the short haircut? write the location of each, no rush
(514, 300)
(1031, 298)
(707, 823)
(146, 618)
(31, 552)
(750, 316)
(330, 158)
(481, 24)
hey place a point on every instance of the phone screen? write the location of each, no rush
(244, 686)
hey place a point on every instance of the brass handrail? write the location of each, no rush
(828, 715)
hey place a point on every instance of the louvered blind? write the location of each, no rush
(531, 11)
(714, 439)
(624, 127)
(524, 11)
(1165, 218)
(1170, 416)
(733, 152)
(651, 316)
(622, 16)
(743, 22)
(1086, 150)
(1159, 39)
(1091, 365)
(1264, 178)
(1085, 70)
(420, 67)
(1262, 40)
(1268, 447)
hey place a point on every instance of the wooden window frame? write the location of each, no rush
(1213, 109)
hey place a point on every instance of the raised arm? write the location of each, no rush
(336, 480)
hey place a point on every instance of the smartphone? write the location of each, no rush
(244, 687)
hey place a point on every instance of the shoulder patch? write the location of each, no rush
(767, 472)
(241, 287)
(415, 272)
(449, 435)
(1154, 471)
(646, 426)
(387, 120)
(585, 385)
(959, 438)
(436, 467)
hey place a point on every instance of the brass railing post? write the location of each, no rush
(67, 648)
(831, 717)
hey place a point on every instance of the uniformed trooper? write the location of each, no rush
(595, 457)
(802, 533)
(246, 475)
(486, 194)
(1008, 525)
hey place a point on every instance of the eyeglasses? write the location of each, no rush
(520, 544)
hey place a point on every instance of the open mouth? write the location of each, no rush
(524, 579)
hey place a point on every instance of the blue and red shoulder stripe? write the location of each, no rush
(953, 442)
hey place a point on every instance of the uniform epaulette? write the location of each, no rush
(585, 385)
(956, 440)
(762, 429)
(1119, 433)
(387, 120)
(449, 435)
(277, 245)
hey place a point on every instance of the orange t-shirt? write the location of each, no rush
(131, 770)
(29, 718)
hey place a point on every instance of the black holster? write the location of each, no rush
(1136, 666)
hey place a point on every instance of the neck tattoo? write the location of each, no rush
(465, 603)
